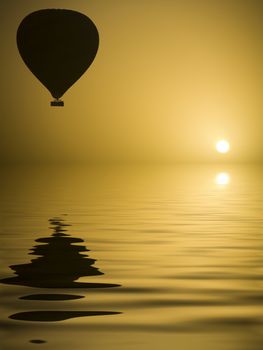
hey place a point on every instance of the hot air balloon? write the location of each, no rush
(58, 46)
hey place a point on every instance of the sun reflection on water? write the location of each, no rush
(222, 179)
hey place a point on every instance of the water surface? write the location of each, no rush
(132, 258)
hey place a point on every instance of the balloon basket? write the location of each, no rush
(57, 103)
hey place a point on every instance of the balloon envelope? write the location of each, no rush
(58, 46)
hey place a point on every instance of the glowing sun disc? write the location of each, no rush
(222, 146)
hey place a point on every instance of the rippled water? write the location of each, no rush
(132, 258)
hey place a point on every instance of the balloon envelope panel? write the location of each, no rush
(58, 46)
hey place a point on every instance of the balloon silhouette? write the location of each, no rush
(58, 46)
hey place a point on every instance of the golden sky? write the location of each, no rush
(171, 77)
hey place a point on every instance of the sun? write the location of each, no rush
(222, 146)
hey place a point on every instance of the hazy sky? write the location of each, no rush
(170, 78)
